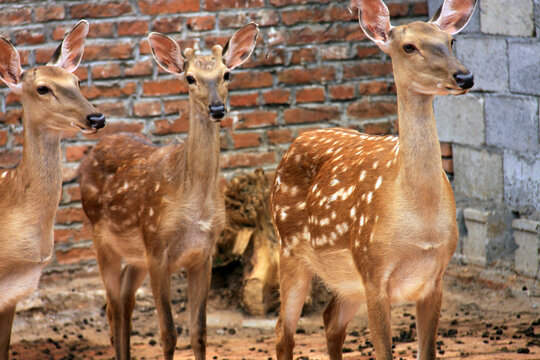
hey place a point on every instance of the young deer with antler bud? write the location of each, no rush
(374, 216)
(160, 209)
(30, 193)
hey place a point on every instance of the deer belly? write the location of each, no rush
(16, 286)
(414, 281)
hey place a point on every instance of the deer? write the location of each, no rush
(30, 192)
(374, 217)
(161, 209)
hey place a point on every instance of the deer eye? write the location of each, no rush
(190, 79)
(409, 48)
(227, 76)
(42, 90)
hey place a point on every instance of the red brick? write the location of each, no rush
(3, 137)
(101, 30)
(279, 3)
(318, 34)
(397, 10)
(372, 69)
(175, 106)
(200, 23)
(303, 56)
(342, 92)
(44, 55)
(154, 7)
(311, 114)
(105, 71)
(74, 255)
(334, 52)
(378, 128)
(100, 10)
(15, 16)
(13, 116)
(310, 95)
(448, 166)
(245, 140)
(234, 160)
(180, 125)
(63, 235)
(111, 90)
(50, 12)
(446, 149)
(266, 57)
(69, 216)
(167, 24)
(29, 37)
(147, 108)
(374, 88)
(278, 96)
(213, 5)
(210, 41)
(250, 80)
(112, 108)
(306, 76)
(371, 109)
(10, 158)
(81, 72)
(74, 193)
(239, 100)
(110, 51)
(76, 152)
(333, 12)
(419, 9)
(134, 27)
(164, 87)
(279, 136)
(261, 17)
(13, 99)
(116, 127)
(256, 119)
(18, 137)
(363, 52)
(139, 68)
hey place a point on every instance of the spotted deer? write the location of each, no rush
(374, 216)
(159, 209)
(29, 193)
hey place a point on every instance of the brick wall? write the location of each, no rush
(494, 133)
(312, 68)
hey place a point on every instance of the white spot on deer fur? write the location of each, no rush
(156, 188)
(375, 164)
(325, 221)
(389, 163)
(333, 235)
(151, 212)
(353, 211)
(378, 183)
(365, 249)
(302, 205)
(371, 237)
(362, 175)
(278, 180)
(362, 219)
(298, 158)
(293, 190)
(286, 252)
(283, 215)
(294, 241)
(314, 188)
(334, 182)
(334, 215)
(4, 174)
(376, 218)
(342, 228)
(369, 197)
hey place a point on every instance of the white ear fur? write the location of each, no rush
(166, 53)
(374, 19)
(241, 45)
(454, 15)
(69, 54)
(10, 66)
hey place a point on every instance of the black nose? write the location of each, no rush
(464, 81)
(217, 111)
(97, 121)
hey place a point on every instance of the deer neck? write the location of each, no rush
(419, 149)
(201, 153)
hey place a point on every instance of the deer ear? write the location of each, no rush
(10, 66)
(241, 45)
(69, 54)
(374, 19)
(453, 15)
(167, 53)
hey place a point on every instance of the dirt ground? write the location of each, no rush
(485, 316)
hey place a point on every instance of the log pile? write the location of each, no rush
(249, 237)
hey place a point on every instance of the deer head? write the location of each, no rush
(207, 76)
(50, 94)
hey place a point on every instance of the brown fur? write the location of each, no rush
(373, 217)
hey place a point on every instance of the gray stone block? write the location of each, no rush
(512, 122)
(477, 174)
(472, 27)
(522, 181)
(487, 238)
(527, 237)
(460, 119)
(503, 17)
(486, 58)
(537, 16)
(524, 67)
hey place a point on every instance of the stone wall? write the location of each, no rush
(495, 133)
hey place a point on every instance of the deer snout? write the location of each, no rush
(97, 121)
(464, 81)
(217, 111)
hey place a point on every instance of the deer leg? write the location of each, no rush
(132, 278)
(295, 280)
(110, 269)
(378, 307)
(6, 321)
(336, 317)
(198, 287)
(160, 281)
(428, 311)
